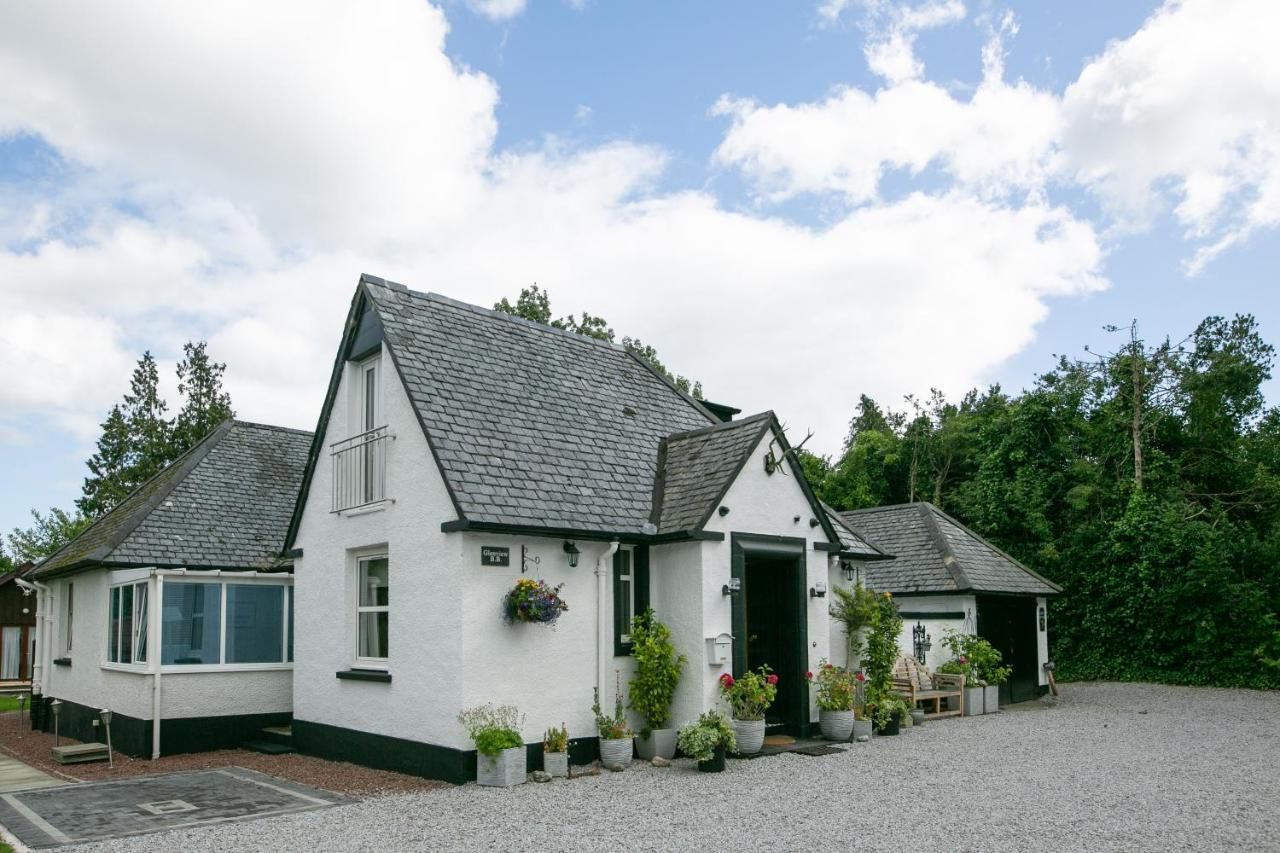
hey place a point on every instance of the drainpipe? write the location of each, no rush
(153, 652)
(604, 567)
(44, 629)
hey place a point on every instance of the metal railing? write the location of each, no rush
(360, 469)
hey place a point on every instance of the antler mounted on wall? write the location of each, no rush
(773, 460)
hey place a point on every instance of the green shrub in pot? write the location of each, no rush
(657, 674)
(707, 741)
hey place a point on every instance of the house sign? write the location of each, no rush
(492, 555)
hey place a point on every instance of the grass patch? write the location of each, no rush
(10, 703)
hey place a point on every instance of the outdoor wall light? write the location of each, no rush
(818, 590)
(572, 550)
(1042, 617)
(848, 570)
(922, 642)
(732, 587)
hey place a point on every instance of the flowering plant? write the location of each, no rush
(493, 728)
(556, 740)
(611, 727)
(533, 601)
(837, 687)
(750, 695)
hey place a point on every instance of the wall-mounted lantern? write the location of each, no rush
(848, 570)
(818, 590)
(572, 551)
(922, 641)
(732, 587)
(1042, 620)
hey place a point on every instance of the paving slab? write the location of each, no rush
(17, 776)
(99, 811)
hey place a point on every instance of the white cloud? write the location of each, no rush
(497, 10)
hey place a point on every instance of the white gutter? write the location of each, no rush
(604, 570)
(44, 630)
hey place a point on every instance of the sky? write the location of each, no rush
(795, 203)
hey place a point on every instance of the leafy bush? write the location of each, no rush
(699, 740)
(752, 694)
(974, 658)
(493, 728)
(855, 608)
(886, 708)
(611, 727)
(533, 601)
(837, 687)
(556, 740)
(657, 671)
(882, 646)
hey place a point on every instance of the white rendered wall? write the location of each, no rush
(426, 623)
(937, 626)
(1042, 644)
(675, 578)
(766, 504)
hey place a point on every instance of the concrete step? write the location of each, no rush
(282, 735)
(79, 753)
(267, 747)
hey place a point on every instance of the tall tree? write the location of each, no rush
(150, 431)
(110, 468)
(48, 534)
(205, 403)
(6, 562)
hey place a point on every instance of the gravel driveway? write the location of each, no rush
(1111, 767)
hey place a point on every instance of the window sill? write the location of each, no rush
(364, 675)
(62, 661)
(136, 669)
(378, 506)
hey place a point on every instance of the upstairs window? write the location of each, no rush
(127, 624)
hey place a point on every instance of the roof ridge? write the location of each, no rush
(949, 559)
(182, 466)
(958, 523)
(722, 425)
(256, 425)
(882, 508)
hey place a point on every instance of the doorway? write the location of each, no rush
(1009, 624)
(770, 623)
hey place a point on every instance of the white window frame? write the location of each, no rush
(225, 580)
(370, 379)
(135, 664)
(624, 630)
(361, 662)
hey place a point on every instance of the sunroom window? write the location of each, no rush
(225, 622)
(127, 624)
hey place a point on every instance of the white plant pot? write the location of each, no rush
(973, 701)
(991, 701)
(503, 770)
(616, 751)
(556, 764)
(661, 743)
(750, 735)
(835, 725)
(862, 728)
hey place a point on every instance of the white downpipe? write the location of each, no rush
(604, 570)
(154, 613)
(44, 631)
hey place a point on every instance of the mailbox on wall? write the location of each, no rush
(719, 649)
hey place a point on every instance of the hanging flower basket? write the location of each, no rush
(533, 601)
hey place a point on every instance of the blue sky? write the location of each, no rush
(910, 194)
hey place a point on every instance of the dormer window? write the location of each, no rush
(360, 461)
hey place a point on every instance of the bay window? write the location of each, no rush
(127, 624)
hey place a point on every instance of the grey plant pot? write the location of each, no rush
(661, 743)
(917, 716)
(750, 735)
(991, 700)
(835, 725)
(616, 751)
(861, 728)
(556, 764)
(973, 701)
(503, 770)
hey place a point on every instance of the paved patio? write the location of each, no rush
(16, 776)
(96, 811)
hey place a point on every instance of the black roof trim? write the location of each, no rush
(635, 538)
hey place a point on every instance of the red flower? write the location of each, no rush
(772, 679)
(964, 660)
(860, 677)
(827, 666)
(808, 676)
(726, 681)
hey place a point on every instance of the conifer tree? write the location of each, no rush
(205, 403)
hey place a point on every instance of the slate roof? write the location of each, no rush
(532, 426)
(851, 544)
(696, 468)
(226, 503)
(935, 553)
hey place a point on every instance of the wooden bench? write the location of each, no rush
(917, 684)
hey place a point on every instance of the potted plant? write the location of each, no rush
(749, 696)
(654, 684)
(837, 692)
(979, 662)
(707, 740)
(861, 714)
(987, 662)
(887, 712)
(616, 740)
(500, 751)
(533, 602)
(555, 752)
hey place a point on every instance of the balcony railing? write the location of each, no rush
(360, 469)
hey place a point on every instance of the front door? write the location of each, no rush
(1009, 624)
(770, 624)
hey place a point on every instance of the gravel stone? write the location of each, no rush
(1199, 771)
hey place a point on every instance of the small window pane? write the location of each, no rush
(126, 624)
(373, 635)
(113, 627)
(255, 623)
(189, 633)
(373, 582)
(140, 623)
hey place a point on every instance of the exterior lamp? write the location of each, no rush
(846, 567)
(922, 641)
(732, 587)
(818, 590)
(105, 714)
(572, 550)
(56, 708)
(1042, 616)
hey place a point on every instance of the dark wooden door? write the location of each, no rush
(1009, 624)
(775, 635)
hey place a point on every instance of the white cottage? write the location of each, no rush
(213, 663)
(460, 449)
